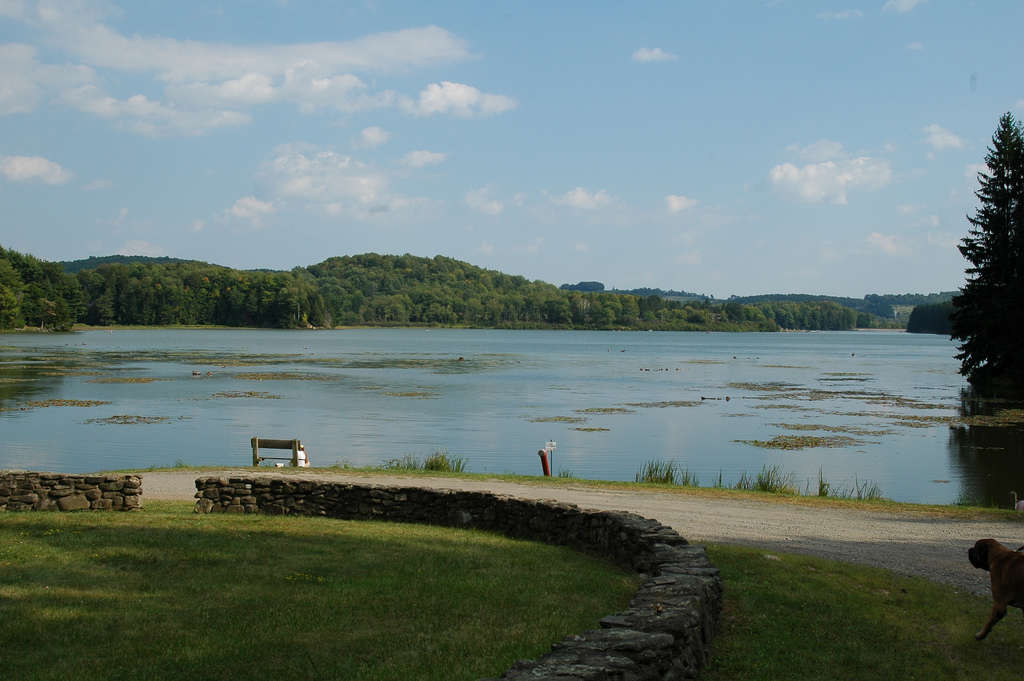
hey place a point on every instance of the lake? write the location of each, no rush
(864, 406)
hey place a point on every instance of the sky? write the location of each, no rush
(724, 148)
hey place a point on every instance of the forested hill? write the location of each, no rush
(875, 304)
(91, 263)
(367, 289)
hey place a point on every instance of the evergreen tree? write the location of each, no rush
(989, 312)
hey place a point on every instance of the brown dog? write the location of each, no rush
(1006, 569)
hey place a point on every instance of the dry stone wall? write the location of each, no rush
(664, 634)
(31, 491)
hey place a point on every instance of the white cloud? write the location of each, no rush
(888, 244)
(373, 136)
(535, 245)
(98, 184)
(198, 225)
(915, 46)
(939, 138)
(33, 168)
(333, 183)
(422, 158)
(582, 199)
(83, 35)
(831, 180)
(12, 8)
(136, 247)
(251, 208)
(678, 203)
(901, 6)
(480, 199)
(816, 152)
(653, 54)
(907, 209)
(149, 117)
(486, 248)
(688, 258)
(25, 81)
(582, 247)
(208, 85)
(458, 99)
(1019, 104)
(944, 240)
(841, 15)
(971, 171)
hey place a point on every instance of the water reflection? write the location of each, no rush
(989, 458)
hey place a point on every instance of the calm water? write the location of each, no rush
(364, 396)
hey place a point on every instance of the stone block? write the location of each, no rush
(75, 502)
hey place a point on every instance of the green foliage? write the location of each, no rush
(931, 319)
(93, 262)
(368, 289)
(188, 292)
(989, 312)
(36, 293)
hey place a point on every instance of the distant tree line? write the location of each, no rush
(879, 307)
(36, 293)
(935, 318)
(367, 289)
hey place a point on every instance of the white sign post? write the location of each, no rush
(549, 447)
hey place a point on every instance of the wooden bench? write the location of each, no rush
(266, 443)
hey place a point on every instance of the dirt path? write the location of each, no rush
(910, 544)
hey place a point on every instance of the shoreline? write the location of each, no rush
(932, 546)
(215, 327)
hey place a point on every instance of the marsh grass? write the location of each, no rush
(801, 618)
(167, 594)
(661, 472)
(440, 461)
(771, 479)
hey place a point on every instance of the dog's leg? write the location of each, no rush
(998, 612)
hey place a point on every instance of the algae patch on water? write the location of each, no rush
(130, 419)
(792, 442)
(65, 403)
(605, 410)
(247, 394)
(1002, 418)
(854, 430)
(558, 419)
(283, 376)
(42, 404)
(126, 379)
(593, 430)
(662, 405)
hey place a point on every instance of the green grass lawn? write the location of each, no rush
(167, 594)
(795, 617)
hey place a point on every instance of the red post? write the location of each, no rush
(543, 454)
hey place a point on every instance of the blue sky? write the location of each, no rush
(729, 148)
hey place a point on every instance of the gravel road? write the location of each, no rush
(918, 544)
